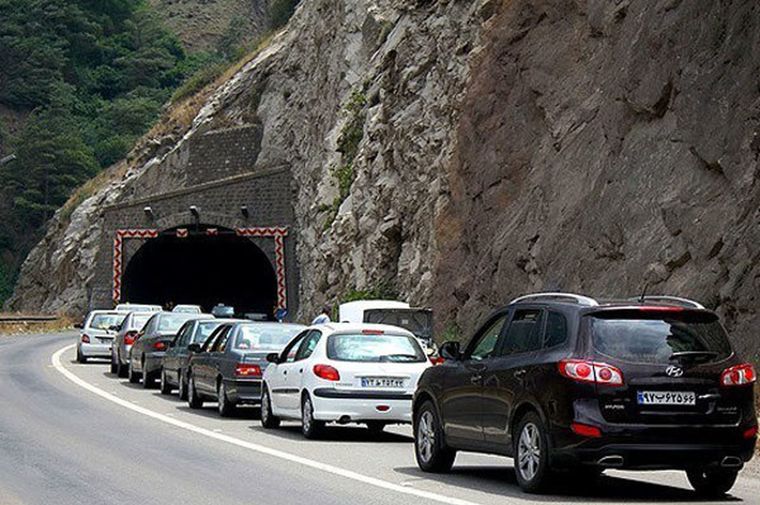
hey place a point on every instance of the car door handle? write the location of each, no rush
(284, 372)
(520, 373)
(300, 371)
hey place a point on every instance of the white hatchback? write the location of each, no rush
(344, 373)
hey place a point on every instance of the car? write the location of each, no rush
(188, 309)
(137, 307)
(96, 335)
(125, 337)
(344, 373)
(223, 311)
(177, 357)
(147, 352)
(227, 367)
(563, 382)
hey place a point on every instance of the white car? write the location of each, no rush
(97, 333)
(344, 373)
(137, 307)
(188, 309)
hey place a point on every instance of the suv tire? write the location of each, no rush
(430, 448)
(531, 450)
(310, 427)
(711, 483)
(268, 419)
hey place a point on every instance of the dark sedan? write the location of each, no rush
(227, 368)
(177, 357)
(151, 344)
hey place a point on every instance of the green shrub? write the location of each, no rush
(280, 12)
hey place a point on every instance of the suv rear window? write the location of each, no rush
(375, 348)
(658, 337)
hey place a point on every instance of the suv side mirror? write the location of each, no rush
(194, 347)
(450, 350)
(273, 357)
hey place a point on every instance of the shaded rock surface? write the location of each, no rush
(504, 147)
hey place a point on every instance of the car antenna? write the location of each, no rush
(643, 296)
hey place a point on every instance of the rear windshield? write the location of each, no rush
(374, 348)
(105, 321)
(265, 337)
(203, 330)
(655, 337)
(170, 323)
(139, 320)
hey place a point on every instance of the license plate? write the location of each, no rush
(685, 398)
(382, 382)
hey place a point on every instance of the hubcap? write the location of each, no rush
(528, 452)
(307, 415)
(426, 436)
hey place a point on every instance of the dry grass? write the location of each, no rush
(29, 327)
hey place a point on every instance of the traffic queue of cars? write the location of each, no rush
(562, 383)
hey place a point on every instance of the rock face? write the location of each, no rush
(461, 153)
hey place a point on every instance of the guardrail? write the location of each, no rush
(27, 319)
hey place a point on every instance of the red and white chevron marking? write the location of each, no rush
(278, 233)
(118, 250)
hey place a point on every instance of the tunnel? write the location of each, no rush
(203, 270)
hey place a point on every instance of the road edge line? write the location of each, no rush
(293, 458)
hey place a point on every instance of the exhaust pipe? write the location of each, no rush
(614, 461)
(731, 462)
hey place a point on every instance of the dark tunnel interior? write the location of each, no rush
(202, 270)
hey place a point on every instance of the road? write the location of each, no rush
(74, 434)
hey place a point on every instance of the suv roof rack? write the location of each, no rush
(579, 299)
(683, 302)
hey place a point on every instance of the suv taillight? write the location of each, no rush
(326, 372)
(246, 370)
(738, 375)
(129, 337)
(591, 371)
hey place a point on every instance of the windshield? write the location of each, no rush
(374, 348)
(655, 338)
(170, 323)
(203, 330)
(187, 309)
(105, 321)
(265, 337)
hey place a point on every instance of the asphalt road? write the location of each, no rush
(74, 434)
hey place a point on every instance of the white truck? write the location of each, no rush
(401, 314)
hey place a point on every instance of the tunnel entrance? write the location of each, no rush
(203, 269)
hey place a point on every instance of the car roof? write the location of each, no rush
(358, 327)
(585, 304)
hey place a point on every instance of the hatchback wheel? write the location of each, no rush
(430, 449)
(712, 483)
(132, 375)
(166, 388)
(310, 427)
(226, 407)
(268, 420)
(182, 386)
(531, 454)
(194, 401)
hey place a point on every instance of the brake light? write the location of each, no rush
(373, 332)
(86, 339)
(585, 430)
(738, 375)
(750, 433)
(159, 346)
(590, 371)
(438, 360)
(326, 372)
(129, 337)
(246, 370)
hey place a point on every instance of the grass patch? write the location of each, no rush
(382, 291)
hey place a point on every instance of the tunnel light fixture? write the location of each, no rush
(149, 212)
(244, 211)
(195, 212)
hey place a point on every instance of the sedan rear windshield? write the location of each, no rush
(105, 321)
(375, 348)
(203, 330)
(139, 320)
(170, 323)
(659, 337)
(265, 337)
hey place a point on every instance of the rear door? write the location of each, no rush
(281, 382)
(671, 361)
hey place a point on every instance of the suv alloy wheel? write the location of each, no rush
(531, 454)
(429, 447)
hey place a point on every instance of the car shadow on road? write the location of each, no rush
(501, 480)
(338, 434)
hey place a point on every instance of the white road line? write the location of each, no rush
(348, 474)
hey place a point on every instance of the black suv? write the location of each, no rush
(563, 382)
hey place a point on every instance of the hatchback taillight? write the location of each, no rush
(326, 372)
(591, 371)
(129, 337)
(246, 370)
(86, 339)
(738, 375)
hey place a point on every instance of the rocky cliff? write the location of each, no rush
(460, 153)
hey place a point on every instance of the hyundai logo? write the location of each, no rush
(674, 371)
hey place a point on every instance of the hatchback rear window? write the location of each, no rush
(657, 337)
(374, 348)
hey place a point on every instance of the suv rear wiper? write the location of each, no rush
(693, 354)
